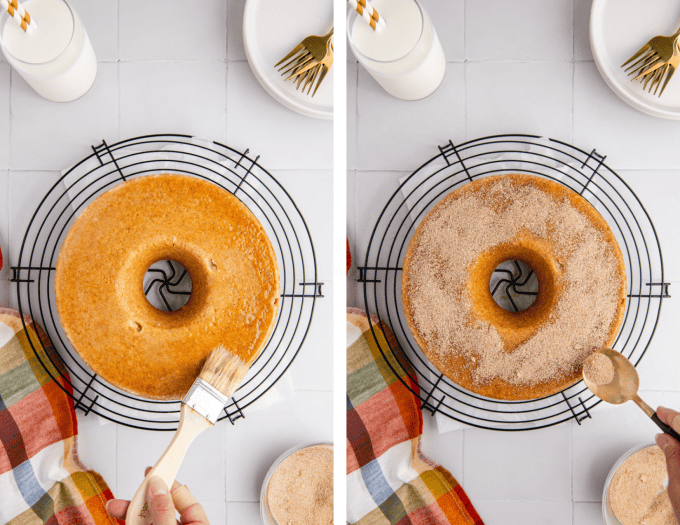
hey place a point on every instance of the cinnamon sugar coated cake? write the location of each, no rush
(100, 299)
(453, 316)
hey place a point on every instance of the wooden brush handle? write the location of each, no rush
(191, 424)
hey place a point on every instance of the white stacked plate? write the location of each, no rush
(618, 29)
(271, 29)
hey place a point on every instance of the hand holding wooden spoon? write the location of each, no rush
(623, 387)
(671, 449)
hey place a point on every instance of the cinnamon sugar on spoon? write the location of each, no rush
(598, 369)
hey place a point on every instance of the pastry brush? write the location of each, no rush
(221, 374)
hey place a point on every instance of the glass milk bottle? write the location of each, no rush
(56, 58)
(405, 57)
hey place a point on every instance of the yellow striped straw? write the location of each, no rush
(16, 11)
(365, 9)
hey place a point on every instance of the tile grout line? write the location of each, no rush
(226, 102)
(356, 121)
(119, 108)
(11, 115)
(573, 82)
(571, 467)
(226, 477)
(118, 31)
(465, 107)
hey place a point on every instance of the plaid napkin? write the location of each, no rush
(389, 482)
(42, 480)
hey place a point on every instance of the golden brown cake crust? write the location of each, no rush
(101, 265)
(484, 321)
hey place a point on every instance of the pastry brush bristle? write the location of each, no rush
(223, 370)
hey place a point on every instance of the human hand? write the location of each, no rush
(671, 449)
(163, 505)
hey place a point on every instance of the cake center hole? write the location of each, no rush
(167, 285)
(514, 286)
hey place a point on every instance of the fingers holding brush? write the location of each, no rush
(160, 502)
(190, 510)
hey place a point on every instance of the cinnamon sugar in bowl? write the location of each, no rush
(635, 490)
(298, 488)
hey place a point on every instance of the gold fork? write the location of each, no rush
(316, 73)
(309, 52)
(656, 78)
(653, 56)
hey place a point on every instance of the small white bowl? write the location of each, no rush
(607, 511)
(267, 518)
(618, 28)
(271, 29)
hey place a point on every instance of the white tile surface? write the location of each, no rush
(352, 275)
(531, 466)
(527, 30)
(235, 49)
(352, 87)
(393, 134)
(582, 30)
(254, 443)
(4, 239)
(311, 189)
(173, 97)
(243, 513)
(587, 513)
(25, 191)
(285, 139)
(373, 191)
(173, 30)
(599, 442)
(508, 97)
(50, 135)
(444, 449)
(659, 192)
(215, 510)
(100, 20)
(313, 367)
(448, 19)
(525, 512)
(4, 113)
(202, 470)
(92, 439)
(625, 135)
(660, 367)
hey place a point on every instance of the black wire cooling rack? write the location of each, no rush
(455, 165)
(235, 172)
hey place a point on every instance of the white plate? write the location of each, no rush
(271, 29)
(618, 28)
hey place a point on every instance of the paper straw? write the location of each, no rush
(16, 11)
(365, 9)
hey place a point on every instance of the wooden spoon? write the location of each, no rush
(624, 388)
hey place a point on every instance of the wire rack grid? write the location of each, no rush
(455, 165)
(236, 172)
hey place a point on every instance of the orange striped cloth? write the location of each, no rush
(389, 481)
(42, 481)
